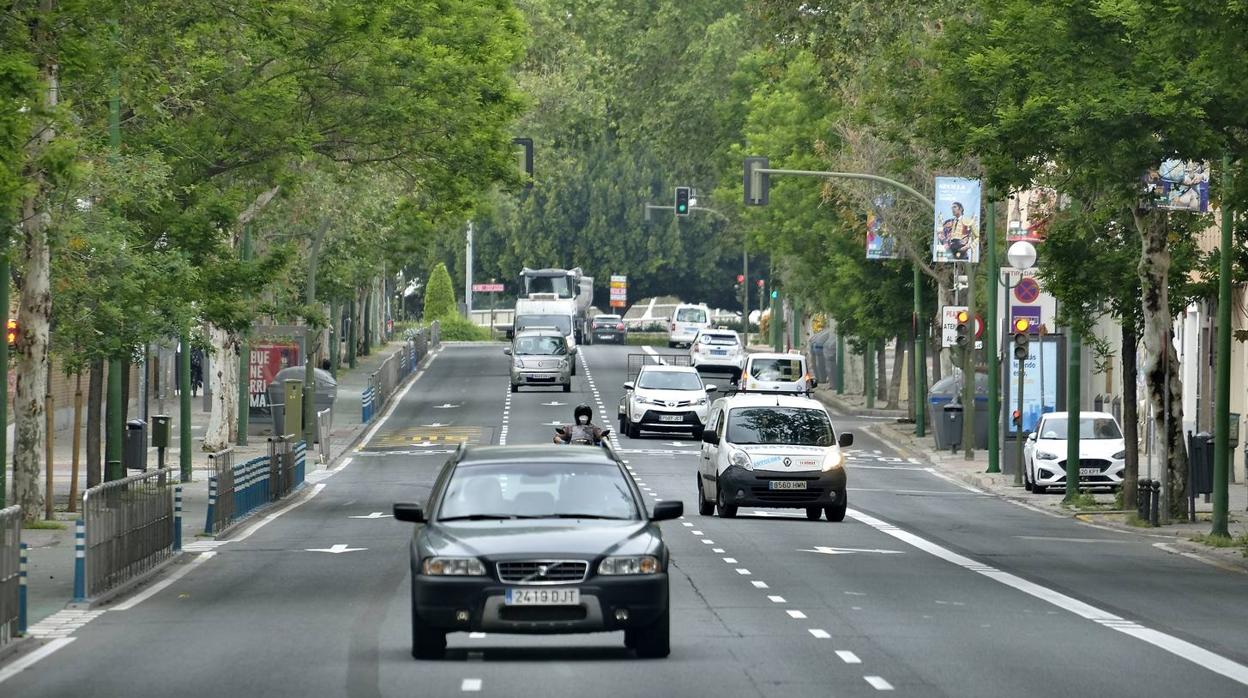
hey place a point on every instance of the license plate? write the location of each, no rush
(542, 597)
(671, 418)
(719, 352)
(1089, 471)
(786, 485)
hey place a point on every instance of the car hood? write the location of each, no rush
(525, 538)
(1092, 448)
(771, 456)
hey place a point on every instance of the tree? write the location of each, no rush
(439, 297)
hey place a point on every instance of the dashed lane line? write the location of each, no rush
(878, 683)
(848, 657)
(820, 633)
(470, 685)
(29, 660)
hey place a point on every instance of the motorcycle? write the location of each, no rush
(578, 438)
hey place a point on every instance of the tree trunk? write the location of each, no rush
(1160, 357)
(1130, 414)
(95, 401)
(899, 370)
(125, 392)
(881, 372)
(223, 419)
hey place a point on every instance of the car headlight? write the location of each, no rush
(1045, 455)
(519, 363)
(453, 567)
(648, 401)
(833, 460)
(741, 459)
(1120, 455)
(629, 564)
(701, 401)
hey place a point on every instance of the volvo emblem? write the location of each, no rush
(541, 570)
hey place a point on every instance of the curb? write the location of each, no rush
(126, 587)
(849, 410)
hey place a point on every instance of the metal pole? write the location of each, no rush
(1222, 398)
(1074, 376)
(869, 373)
(840, 361)
(991, 346)
(745, 293)
(968, 370)
(920, 351)
(468, 274)
(244, 355)
(115, 412)
(4, 368)
(351, 323)
(1018, 426)
(184, 407)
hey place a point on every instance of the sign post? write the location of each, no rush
(490, 288)
(619, 291)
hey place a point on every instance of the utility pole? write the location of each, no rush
(992, 347)
(115, 411)
(1222, 399)
(1074, 377)
(184, 404)
(244, 354)
(920, 358)
(468, 274)
(745, 293)
(968, 369)
(4, 364)
(309, 370)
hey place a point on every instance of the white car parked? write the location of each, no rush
(664, 398)
(718, 350)
(687, 321)
(1102, 452)
(772, 451)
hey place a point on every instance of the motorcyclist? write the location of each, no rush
(583, 430)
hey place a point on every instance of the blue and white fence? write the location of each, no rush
(395, 369)
(125, 531)
(12, 575)
(235, 490)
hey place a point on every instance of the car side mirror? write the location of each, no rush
(666, 511)
(710, 437)
(711, 388)
(629, 385)
(813, 384)
(845, 440)
(507, 351)
(1031, 436)
(411, 513)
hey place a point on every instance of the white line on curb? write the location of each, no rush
(29, 660)
(162, 584)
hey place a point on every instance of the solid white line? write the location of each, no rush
(1180, 648)
(820, 633)
(397, 399)
(878, 683)
(848, 657)
(776, 599)
(29, 660)
(345, 462)
(162, 584)
(265, 521)
(796, 614)
(470, 685)
(954, 481)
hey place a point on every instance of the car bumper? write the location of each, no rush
(751, 488)
(438, 602)
(681, 337)
(527, 377)
(609, 336)
(715, 363)
(1053, 474)
(650, 417)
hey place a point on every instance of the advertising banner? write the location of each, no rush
(1178, 185)
(1033, 391)
(262, 367)
(619, 291)
(956, 236)
(880, 241)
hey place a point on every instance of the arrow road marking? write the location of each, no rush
(825, 550)
(553, 403)
(339, 548)
(374, 515)
(435, 425)
(445, 406)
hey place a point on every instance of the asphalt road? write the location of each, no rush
(928, 589)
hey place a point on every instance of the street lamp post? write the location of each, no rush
(1022, 256)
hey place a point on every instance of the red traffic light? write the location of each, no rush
(12, 332)
(760, 283)
(740, 278)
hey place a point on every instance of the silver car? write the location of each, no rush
(540, 357)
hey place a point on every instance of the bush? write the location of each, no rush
(439, 296)
(457, 329)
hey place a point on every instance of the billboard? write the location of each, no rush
(619, 291)
(1038, 398)
(880, 241)
(956, 236)
(262, 367)
(1178, 185)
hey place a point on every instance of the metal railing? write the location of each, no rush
(221, 510)
(287, 465)
(11, 579)
(126, 529)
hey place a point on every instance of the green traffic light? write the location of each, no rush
(773, 294)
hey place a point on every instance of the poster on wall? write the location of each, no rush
(1035, 400)
(262, 366)
(956, 237)
(880, 241)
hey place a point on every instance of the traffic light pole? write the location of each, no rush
(4, 368)
(920, 358)
(992, 347)
(1222, 393)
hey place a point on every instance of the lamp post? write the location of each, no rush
(1022, 256)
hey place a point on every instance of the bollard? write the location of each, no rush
(212, 505)
(80, 560)
(177, 518)
(1154, 516)
(21, 591)
(1143, 494)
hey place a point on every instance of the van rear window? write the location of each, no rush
(691, 315)
(776, 369)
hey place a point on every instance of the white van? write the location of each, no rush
(776, 373)
(548, 311)
(687, 320)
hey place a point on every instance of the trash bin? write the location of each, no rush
(949, 429)
(1200, 462)
(134, 445)
(323, 398)
(944, 392)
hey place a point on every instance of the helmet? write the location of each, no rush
(583, 409)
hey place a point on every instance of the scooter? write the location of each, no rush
(581, 441)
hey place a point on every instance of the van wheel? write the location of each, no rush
(836, 512)
(705, 507)
(726, 511)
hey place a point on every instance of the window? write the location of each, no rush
(669, 380)
(726, 340)
(1090, 428)
(561, 323)
(691, 315)
(779, 425)
(537, 490)
(548, 284)
(776, 369)
(540, 346)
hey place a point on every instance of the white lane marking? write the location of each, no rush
(271, 517)
(943, 493)
(395, 402)
(1057, 539)
(470, 685)
(374, 515)
(878, 683)
(1180, 648)
(63, 623)
(696, 533)
(954, 481)
(162, 584)
(827, 550)
(759, 585)
(860, 466)
(731, 560)
(345, 462)
(795, 614)
(743, 572)
(848, 657)
(776, 599)
(686, 524)
(1198, 558)
(337, 549)
(820, 633)
(29, 660)
(708, 541)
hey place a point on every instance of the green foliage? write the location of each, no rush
(456, 328)
(440, 296)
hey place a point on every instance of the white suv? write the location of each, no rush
(718, 350)
(775, 451)
(664, 398)
(687, 320)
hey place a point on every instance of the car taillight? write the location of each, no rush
(619, 326)
(673, 327)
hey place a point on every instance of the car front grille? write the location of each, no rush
(542, 571)
(542, 614)
(763, 494)
(654, 417)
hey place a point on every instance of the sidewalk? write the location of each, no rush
(1102, 510)
(51, 551)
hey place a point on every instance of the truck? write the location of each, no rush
(548, 311)
(563, 284)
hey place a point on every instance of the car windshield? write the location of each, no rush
(779, 425)
(537, 491)
(543, 346)
(548, 284)
(776, 369)
(1090, 428)
(561, 323)
(670, 380)
(691, 315)
(718, 339)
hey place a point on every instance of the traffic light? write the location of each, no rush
(757, 184)
(682, 201)
(761, 283)
(962, 337)
(12, 332)
(1021, 340)
(773, 294)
